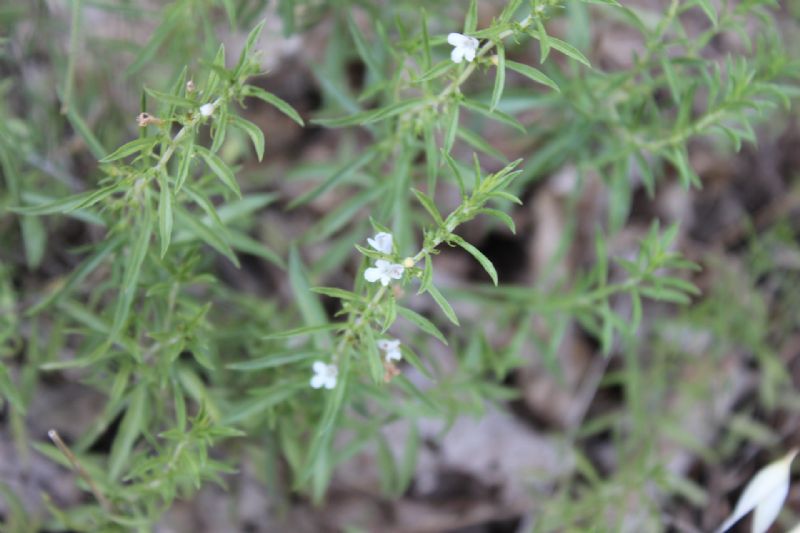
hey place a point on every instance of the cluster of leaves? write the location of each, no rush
(146, 307)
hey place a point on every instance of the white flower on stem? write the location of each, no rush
(384, 271)
(324, 375)
(464, 47)
(207, 110)
(765, 493)
(382, 242)
(392, 349)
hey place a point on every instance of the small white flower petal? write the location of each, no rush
(395, 271)
(456, 39)
(206, 110)
(388, 345)
(394, 355)
(767, 511)
(330, 382)
(372, 274)
(319, 367)
(457, 54)
(469, 53)
(382, 242)
(318, 381)
(765, 493)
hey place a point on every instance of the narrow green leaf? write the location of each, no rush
(9, 391)
(709, 10)
(78, 274)
(335, 292)
(130, 278)
(220, 169)
(129, 148)
(92, 142)
(305, 330)
(310, 307)
(507, 220)
(500, 76)
(282, 105)
(241, 242)
(364, 49)
(133, 423)
(544, 41)
(430, 206)
(369, 349)
(532, 73)
(339, 175)
(165, 218)
(439, 69)
(427, 275)
(452, 128)
(479, 143)
(373, 115)
(568, 50)
(443, 304)
(208, 231)
(422, 323)
(477, 254)
(253, 406)
(252, 37)
(426, 41)
(431, 155)
(495, 115)
(275, 360)
(184, 165)
(471, 20)
(172, 99)
(253, 131)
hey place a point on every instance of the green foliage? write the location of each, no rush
(187, 361)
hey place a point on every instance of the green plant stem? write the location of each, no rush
(173, 145)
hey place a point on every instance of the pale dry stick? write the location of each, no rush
(76, 465)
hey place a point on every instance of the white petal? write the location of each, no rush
(469, 53)
(768, 487)
(382, 242)
(395, 271)
(384, 344)
(382, 265)
(394, 355)
(206, 110)
(767, 511)
(392, 344)
(457, 54)
(330, 382)
(456, 39)
(318, 381)
(372, 274)
(385, 280)
(319, 367)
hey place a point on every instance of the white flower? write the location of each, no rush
(384, 271)
(765, 494)
(465, 47)
(207, 110)
(324, 375)
(382, 242)
(392, 349)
